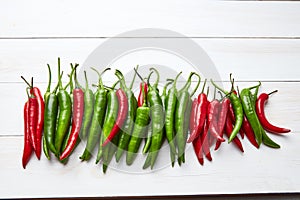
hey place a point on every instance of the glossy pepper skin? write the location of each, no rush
(95, 130)
(78, 107)
(141, 98)
(228, 131)
(170, 106)
(27, 151)
(127, 127)
(213, 117)
(182, 114)
(32, 120)
(260, 110)
(89, 101)
(249, 132)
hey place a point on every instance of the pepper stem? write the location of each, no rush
(77, 84)
(121, 78)
(272, 92)
(50, 76)
(29, 85)
(218, 87)
(207, 92)
(157, 76)
(86, 81)
(56, 87)
(132, 82)
(170, 81)
(148, 79)
(198, 83)
(100, 84)
(203, 85)
(175, 80)
(59, 77)
(138, 74)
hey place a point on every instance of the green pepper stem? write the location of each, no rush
(114, 85)
(121, 78)
(166, 85)
(198, 83)
(50, 77)
(132, 82)
(140, 77)
(203, 85)
(100, 84)
(86, 81)
(218, 87)
(157, 77)
(273, 92)
(175, 80)
(207, 92)
(148, 79)
(255, 86)
(71, 79)
(59, 78)
(57, 85)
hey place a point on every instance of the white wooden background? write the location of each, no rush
(255, 40)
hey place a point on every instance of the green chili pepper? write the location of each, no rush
(129, 122)
(139, 130)
(182, 109)
(238, 110)
(97, 118)
(89, 101)
(107, 152)
(170, 106)
(157, 118)
(64, 116)
(46, 96)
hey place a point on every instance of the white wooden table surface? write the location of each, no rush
(253, 39)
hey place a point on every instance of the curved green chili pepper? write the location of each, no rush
(170, 106)
(182, 109)
(64, 116)
(238, 110)
(89, 100)
(97, 118)
(129, 122)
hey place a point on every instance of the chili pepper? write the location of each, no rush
(106, 152)
(64, 115)
(97, 118)
(89, 101)
(143, 86)
(260, 110)
(197, 144)
(201, 113)
(249, 109)
(228, 131)
(193, 115)
(37, 137)
(157, 118)
(212, 119)
(249, 132)
(238, 110)
(170, 106)
(122, 113)
(127, 126)
(46, 96)
(27, 151)
(78, 109)
(139, 130)
(183, 107)
(222, 118)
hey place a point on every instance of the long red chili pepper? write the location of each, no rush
(141, 96)
(260, 111)
(122, 110)
(32, 120)
(224, 106)
(228, 131)
(212, 119)
(78, 109)
(249, 132)
(200, 116)
(40, 120)
(27, 151)
(205, 141)
(193, 115)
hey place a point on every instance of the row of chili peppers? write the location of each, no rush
(117, 122)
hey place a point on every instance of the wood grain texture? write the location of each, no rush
(107, 18)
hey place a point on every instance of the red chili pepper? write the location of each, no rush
(193, 115)
(40, 120)
(32, 120)
(197, 144)
(260, 110)
(200, 116)
(228, 131)
(246, 127)
(78, 109)
(222, 119)
(122, 110)
(141, 95)
(205, 143)
(27, 151)
(212, 119)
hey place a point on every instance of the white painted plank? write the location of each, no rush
(248, 59)
(230, 172)
(282, 109)
(108, 18)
